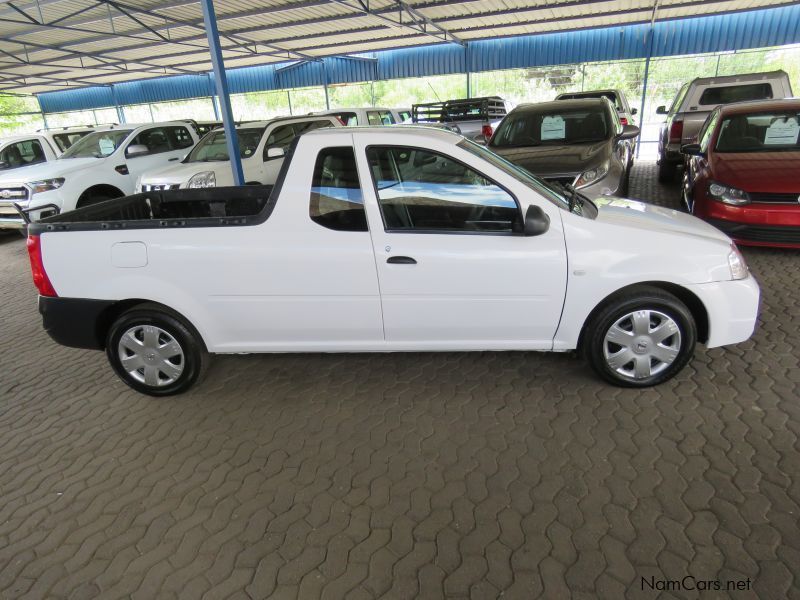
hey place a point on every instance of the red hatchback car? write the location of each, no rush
(743, 175)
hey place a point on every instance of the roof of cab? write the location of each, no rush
(391, 131)
(758, 106)
(562, 104)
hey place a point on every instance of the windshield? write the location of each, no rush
(552, 126)
(97, 145)
(213, 147)
(524, 177)
(767, 132)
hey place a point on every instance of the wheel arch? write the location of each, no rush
(101, 188)
(689, 298)
(107, 317)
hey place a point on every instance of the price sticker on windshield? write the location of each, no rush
(106, 146)
(553, 128)
(782, 131)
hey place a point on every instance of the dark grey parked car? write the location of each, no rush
(578, 142)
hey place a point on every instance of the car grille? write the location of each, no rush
(770, 198)
(759, 233)
(160, 187)
(14, 194)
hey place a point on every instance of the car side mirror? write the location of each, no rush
(692, 150)
(634, 111)
(536, 221)
(661, 110)
(135, 150)
(629, 132)
(275, 152)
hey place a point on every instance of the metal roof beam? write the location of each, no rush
(418, 22)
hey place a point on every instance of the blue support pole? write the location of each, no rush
(213, 98)
(120, 112)
(212, 33)
(644, 87)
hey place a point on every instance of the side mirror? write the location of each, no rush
(275, 152)
(661, 110)
(629, 132)
(634, 111)
(135, 150)
(692, 150)
(536, 221)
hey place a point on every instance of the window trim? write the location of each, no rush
(520, 224)
(360, 188)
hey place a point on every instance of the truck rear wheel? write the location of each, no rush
(155, 352)
(666, 171)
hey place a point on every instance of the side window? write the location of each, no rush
(28, 152)
(154, 139)
(349, 119)
(421, 190)
(65, 140)
(708, 130)
(336, 201)
(280, 137)
(380, 117)
(179, 138)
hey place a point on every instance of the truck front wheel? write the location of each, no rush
(155, 352)
(640, 339)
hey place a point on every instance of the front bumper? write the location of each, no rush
(754, 224)
(11, 219)
(74, 322)
(732, 309)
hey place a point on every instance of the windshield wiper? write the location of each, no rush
(574, 198)
(584, 141)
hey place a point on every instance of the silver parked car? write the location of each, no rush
(698, 98)
(569, 142)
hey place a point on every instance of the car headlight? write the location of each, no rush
(204, 179)
(45, 185)
(737, 264)
(726, 194)
(592, 175)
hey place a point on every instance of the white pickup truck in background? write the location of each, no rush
(387, 239)
(102, 165)
(262, 145)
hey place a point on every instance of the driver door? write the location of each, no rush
(453, 272)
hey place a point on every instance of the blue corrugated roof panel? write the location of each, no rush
(78, 99)
(715, 33)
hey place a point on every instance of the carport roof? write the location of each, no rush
(48, 45)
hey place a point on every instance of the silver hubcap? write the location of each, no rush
(151, 355)
(642, 344)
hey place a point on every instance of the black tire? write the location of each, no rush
(626, 183)
(192, 363)
(640, 298)
(666, 171)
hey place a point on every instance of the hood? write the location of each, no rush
(49, 170)
(180, 173)
(548, 160)
(643, 216)
(774, 172)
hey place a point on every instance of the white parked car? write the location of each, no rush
(20, 151)
(102, 165)
(373, 115)
(399, 239)
(262, 145)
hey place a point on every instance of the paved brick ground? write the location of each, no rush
(402, 476)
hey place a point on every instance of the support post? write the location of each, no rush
(44, 120)
(466, 70)
(213, 98)
(644, 88)
(289, 100)
(120, 111)
(212, 33)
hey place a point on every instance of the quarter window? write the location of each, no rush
(336, 200)
(421, 190)
(179, 138)
(65, 140)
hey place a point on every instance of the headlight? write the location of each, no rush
(728, 195)
(45, 185)
(737, 264)
(592, 175)
(205, 179)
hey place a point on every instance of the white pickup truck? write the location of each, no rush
(376, 239)
(262, 145)
(102, 165)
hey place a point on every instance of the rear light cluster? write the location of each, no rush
(487, 131)
(40, 278)
(623, 120)
(676, 131)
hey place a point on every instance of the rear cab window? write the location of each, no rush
(714, 96)
(380, 117)
(65, 140)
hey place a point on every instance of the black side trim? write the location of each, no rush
(73, 321)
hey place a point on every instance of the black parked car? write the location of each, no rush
(578, 142)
